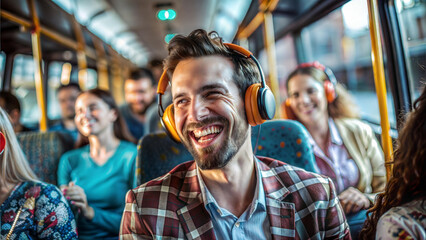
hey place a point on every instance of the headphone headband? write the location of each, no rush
(314, 64)
(164, 79)
(327, 71)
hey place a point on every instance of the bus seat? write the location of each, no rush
(43, 151)
(286, 141)
(157, 155)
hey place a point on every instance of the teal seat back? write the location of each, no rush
(157, 155)
(43, 151)
(286, 141)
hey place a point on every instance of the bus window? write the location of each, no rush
(23, 86)
(2, 66)
(412, 22)
(87, 81)
(92, 78)
(286, 62)
(341, 40)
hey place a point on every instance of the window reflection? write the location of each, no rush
(23, 86)
(412, 22)
(341, 40)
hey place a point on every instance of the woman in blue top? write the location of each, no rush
(96, 177)
(29, 209)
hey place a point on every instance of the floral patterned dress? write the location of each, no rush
(36, 210)
(404, 222)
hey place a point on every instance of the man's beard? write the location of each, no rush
(229, 147)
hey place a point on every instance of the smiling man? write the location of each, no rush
(139, 93)
(227, 192)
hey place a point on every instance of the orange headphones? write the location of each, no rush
(259, 100)
(2, 142)
(329, 88)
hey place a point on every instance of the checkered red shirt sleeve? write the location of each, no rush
(131, 224)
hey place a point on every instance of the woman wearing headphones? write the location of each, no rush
(29, 209)
(345, 148)
(96, 176)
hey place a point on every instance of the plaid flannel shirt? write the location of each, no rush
(300, 205)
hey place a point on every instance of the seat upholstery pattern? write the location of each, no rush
(286, 141)
(43, 151)
(157, 155)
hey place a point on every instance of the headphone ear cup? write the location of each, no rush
(330, 92)
(266, 103)
(2, 142)
(168, 122)
(251, 105)
(287, 112)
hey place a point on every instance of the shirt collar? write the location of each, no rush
(259, 193)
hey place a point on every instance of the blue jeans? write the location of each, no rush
(356, 222)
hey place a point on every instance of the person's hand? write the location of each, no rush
(352, 200)
(78, 198)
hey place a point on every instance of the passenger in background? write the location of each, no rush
(96, 177)
(67, 94)
(29, 209)
(139, 93)
(345, 148)
(11, 105)
(400, 211)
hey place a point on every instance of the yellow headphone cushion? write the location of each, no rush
(252, 109)
(169, 122)
(330, 92)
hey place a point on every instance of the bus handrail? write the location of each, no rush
(380, 82)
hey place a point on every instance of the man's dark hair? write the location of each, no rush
(155, 63)
(199, 43)
(142, 73)
(11, 102)
(69, 85)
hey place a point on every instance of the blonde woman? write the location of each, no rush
(29, 209)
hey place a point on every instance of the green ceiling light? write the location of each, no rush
(169, 37)
(165, 15)
(172, 14)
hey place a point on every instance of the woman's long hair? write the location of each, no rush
(343, 106)
(120, 128)
(14, 167)
(407, 182)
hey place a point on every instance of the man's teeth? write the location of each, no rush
(204, 140)
(207, 131)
